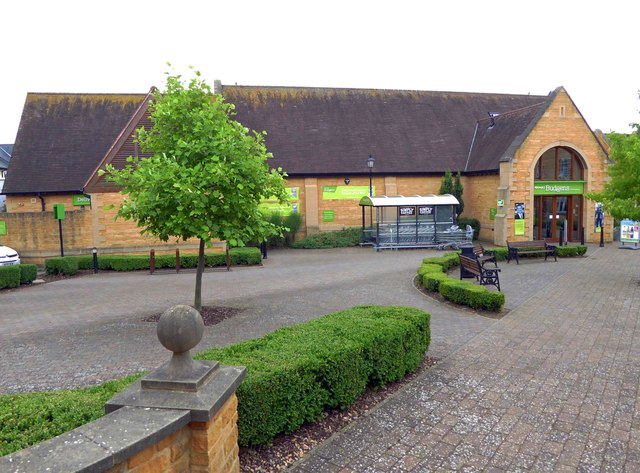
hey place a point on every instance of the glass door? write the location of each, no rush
(552, 213)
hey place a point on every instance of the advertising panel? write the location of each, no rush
(630, 231)
(345, 192)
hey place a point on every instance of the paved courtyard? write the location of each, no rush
(551, 386)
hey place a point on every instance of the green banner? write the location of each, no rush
(518, 227)
(558, 187)
(345, 192)
(492, 213)
(79, 199)
(3, 228)
(328, 215)
(282, 209)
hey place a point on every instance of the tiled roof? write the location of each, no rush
(319, 131)
(63, 137)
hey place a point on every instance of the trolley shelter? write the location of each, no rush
(412, 221)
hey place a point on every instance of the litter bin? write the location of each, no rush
(466, 250)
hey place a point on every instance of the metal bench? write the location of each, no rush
(483, 255)
(485, 276)
(517, 248)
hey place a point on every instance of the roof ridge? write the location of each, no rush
(513, 111)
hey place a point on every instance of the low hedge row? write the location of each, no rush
(563, 252)
(70, 265)
(295, 373)
(14, 275)
(432, 275)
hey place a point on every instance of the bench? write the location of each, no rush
(484, 276)
(483, 255)
(517, 248)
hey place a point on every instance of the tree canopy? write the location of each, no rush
(621, 194)
(206, 175)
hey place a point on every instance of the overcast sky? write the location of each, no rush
(589, 47)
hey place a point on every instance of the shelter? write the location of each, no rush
(412, 222)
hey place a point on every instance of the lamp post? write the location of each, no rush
(370, 161)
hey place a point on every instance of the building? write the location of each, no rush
(535, 154)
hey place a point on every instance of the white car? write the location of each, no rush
(8, 256)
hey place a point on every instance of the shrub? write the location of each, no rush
(335, 239)
(292, 224)
(61, 265)
(446, 261)
(462, 222)
(27, 419)
(472, 295)
(28, 273)
(569, 251)
(9, 276)
(296, 372)
(431, 281)
(427, 268)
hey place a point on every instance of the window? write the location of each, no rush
(559, 164)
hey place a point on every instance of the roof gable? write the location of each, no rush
(332, 131)
(63, 137)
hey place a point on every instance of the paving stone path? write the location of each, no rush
(553, 386)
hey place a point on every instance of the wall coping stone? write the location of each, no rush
(101, 444)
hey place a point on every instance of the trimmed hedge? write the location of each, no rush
(295, 373)
(9, 276)
(28, 273)
(334, 239)
(237, 256)
(28, 419)
(571, 251)
(432, 275)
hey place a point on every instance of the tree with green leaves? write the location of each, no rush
(206, 175)
(446, 186)
(458, 190)
(621, 194)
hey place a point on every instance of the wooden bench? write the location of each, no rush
(483, 255)
(517, 248)
(484, 276)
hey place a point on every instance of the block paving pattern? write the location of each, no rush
(553, 386)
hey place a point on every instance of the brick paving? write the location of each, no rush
(553, 386)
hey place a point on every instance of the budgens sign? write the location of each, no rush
(558, 187)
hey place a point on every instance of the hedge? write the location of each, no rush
(70, 264)
(9, 276)
(28, 273)
(432, 276)
(295, 373)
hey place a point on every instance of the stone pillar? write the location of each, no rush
(204, 388)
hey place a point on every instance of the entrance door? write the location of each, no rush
(553, 213)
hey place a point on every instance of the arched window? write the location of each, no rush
(559, 164)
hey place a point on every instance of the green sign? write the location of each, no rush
(492, 213)
(79, 199)
(58, 211)
(518, 227)
(345, 192)
(558, 187)
(3, 228)
(328, 215)
(282, 209)
(294, 195)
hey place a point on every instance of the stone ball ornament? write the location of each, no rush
(180, 328)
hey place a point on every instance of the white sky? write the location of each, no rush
(503, 46)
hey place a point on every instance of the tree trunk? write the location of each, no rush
(197, 303)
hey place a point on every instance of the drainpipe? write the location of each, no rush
(41, 200)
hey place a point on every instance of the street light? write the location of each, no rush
(370, 162)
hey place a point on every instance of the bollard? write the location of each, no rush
(94, 251)
(228, 260)
(177, 260)
(152, 261)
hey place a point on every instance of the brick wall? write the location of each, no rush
(561, 125)
(479, 196)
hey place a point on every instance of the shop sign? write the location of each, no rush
(518, 226)
(406, 211)
(3, 228)
(345, 192)
(426, 210)
(558, 187)
(282, 209)
(629, 231)
(79, 199)
(328, 215)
